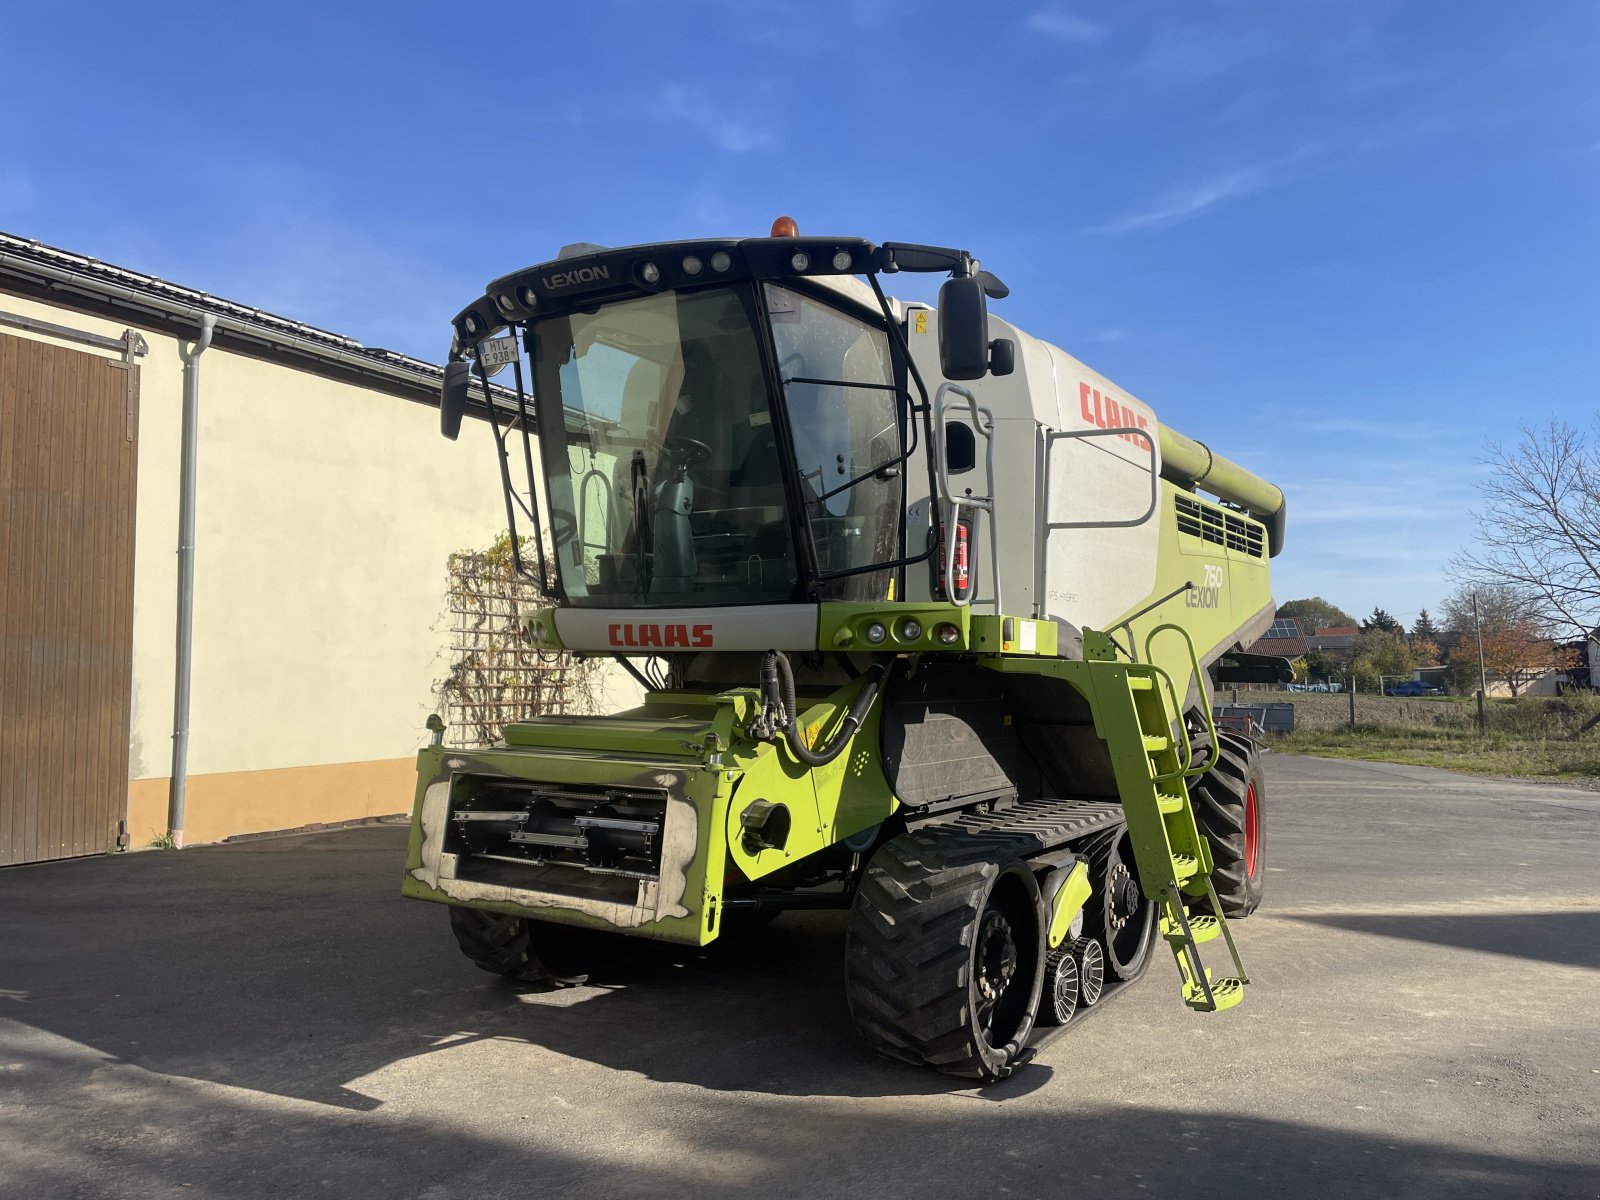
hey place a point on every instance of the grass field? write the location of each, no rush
(1537, 737)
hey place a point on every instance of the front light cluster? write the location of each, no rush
(908, 631)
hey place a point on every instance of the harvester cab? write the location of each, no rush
(925, 611)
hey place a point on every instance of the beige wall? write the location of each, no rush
(324, 515)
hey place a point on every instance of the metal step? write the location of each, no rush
(1201, 929)
(1225, 993)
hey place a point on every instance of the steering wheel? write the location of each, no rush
(686, 451)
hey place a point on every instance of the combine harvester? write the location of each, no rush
(924, 609)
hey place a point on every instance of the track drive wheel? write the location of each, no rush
(945, 954)
(1120, 916)
(531, 951)
(1228, 801)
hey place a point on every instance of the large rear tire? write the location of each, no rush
(531, 951)
(945, 954)
(1228, 807)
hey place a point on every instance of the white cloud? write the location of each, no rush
(1184, 204)
(1066, 26)
(735, 133)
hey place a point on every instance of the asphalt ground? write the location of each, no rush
(271, 1019)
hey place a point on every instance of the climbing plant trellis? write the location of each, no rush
(495, 676)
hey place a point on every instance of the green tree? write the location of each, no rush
(1423, 629)
(1319, 667)
(1380, 652)
(1382, 620)
(1315, 613)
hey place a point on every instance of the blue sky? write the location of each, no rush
(1345, 242)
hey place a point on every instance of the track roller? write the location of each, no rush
(1091, 970)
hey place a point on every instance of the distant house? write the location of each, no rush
(1438, 677)
(1338, 639)
(1284, 640)
(1585, 656)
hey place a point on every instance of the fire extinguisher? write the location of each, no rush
(962, 574)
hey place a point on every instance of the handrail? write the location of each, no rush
(1189, 770)
(982, 424)
(1155, 478)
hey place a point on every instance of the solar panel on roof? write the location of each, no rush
(1283, 627)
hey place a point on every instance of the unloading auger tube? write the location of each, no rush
(1189, 463)
(1008, 777)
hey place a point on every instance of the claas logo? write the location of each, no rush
(1105, 412)
(688, 637)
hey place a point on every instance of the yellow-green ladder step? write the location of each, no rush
(1225, 993)
(1201, 929)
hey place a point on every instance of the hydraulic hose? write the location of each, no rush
(777, 686)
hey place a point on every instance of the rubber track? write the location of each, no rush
(909, 951)
(1034, 826)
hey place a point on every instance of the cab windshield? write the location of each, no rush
(665, 469)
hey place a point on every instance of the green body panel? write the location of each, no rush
(1231, 599)
(1068, 902)
(694, 744)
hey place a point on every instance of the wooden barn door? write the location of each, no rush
(68, 452)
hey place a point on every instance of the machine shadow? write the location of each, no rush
(294, 967)
(1105, 1152)
(1570, 939)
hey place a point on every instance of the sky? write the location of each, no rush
(1348, 243)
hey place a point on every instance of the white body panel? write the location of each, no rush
(648, 631)
(1078, 576)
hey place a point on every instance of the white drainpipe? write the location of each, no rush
(186, 490)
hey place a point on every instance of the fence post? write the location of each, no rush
(1352, 699)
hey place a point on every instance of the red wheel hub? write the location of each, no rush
(1252, 831)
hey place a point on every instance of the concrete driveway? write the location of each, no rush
(270, 1019)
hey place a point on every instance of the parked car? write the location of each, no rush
(1413, 687)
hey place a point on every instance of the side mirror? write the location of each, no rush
(963, 328)
(453, 397)
(1002, 356)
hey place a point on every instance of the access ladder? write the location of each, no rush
(1136, 711)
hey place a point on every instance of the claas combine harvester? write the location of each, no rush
(925, 611)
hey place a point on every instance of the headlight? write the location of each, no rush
(910, 629)
(875, 633)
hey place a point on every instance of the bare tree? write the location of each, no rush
(1539, 524)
